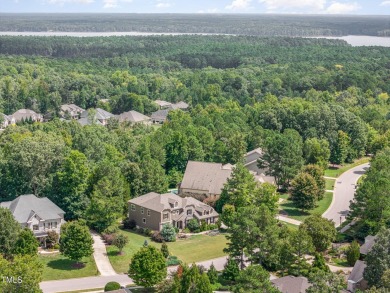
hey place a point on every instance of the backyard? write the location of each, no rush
(57, 267)
(194, 249)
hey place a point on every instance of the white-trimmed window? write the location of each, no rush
(35, 227)
(54, 225)
(165, 216)
(144, 220)
(142, 210)
(189, 212)
(148, 212)
(132, 207)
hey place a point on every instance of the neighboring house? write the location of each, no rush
(160, 116)
(356, 280)
(101, 117)
(40, 215)
(162, 104)
(26, 115)
(153, 210)
(369, 242)
(291, 284)
(204, 180)
(6, 121)
(71, 110)
(180, 105)
(250, 161)
(134, 117)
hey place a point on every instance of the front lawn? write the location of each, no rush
(329, 184)
(194, 249)
(57, 267)
(336, 172)
(293, 212)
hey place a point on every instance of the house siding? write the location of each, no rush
(152, 222)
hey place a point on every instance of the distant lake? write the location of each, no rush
(352, 40)
(357, 41)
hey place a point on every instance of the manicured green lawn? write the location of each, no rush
(57, 267)
(295, 213)
(194, 249)
(329, 184)
(290, 226)
(336, 172)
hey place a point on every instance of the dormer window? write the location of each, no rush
(189, 212)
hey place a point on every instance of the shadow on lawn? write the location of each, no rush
(292, 210)
(65, 265)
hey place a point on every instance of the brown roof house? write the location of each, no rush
(153, 210)
(250, 162)
(203, 180)
(27, 115)
(40, 215)
(134, 117)
(71, 111)
(162, 104)
(291, 284)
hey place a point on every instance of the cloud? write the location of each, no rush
(385, 3)
(293, 4)
(69, 1)
(114, 3)
(239, 4)
(162, 4)
(342, 8)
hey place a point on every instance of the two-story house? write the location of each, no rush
(71, 111)
(153, 210)
(26, 115)
(40, 215)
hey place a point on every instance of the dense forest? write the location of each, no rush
(257, 25)
(322, 98)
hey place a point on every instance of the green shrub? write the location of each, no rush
(56, 246)
(111, 229)
(168, 233)
(353, 253)
(186, 230)
(213, 227)
(193, 225)
(173, 261)
(111, 286)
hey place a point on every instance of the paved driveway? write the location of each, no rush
(344, 191)
(100, 255)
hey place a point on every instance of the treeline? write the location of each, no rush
(258, 25)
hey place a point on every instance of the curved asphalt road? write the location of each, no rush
(344, 191)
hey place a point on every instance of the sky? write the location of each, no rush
(372, 7)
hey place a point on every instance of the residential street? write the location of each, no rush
(344, 191)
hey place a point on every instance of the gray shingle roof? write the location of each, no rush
(85, 121)
(24, 114)
(100, 114)
(160, 114)
(133, 116)
(159, 202)
(72, 108)
(179, 105)
(357, 271)
(369, 242)
(25, 206)
(291, 284)
(208, 177)
(162, 103)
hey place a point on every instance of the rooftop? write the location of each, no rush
(25, 206)
(208, 177)
(291, 284)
